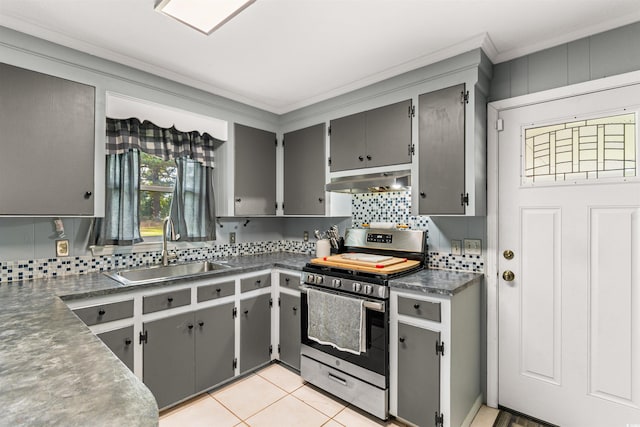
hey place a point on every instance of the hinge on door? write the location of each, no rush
(439, 419)
(412, 149)
(276, 141)
(270, 349)
(329, 131)
(440, 348)
(412, 111)
(235, 312)
(283, 141)
(464, 199)
(464, 97)
(143, 337)
(278, 348)
(328, 161)
(282, 205)
(278, 301)
(270, 302)
(235, 362)
(499, 125)
(276, 205)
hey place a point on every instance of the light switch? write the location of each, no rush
(456, 247)
(472, 247)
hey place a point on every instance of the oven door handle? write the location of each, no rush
(371, 305)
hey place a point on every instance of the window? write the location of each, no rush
(157, 180)
(581, 150)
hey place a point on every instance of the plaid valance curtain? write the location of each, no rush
(130, 134)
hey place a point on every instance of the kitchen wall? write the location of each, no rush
(601, 55)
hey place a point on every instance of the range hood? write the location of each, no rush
(371, 183)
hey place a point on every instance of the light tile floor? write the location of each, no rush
(273, 396)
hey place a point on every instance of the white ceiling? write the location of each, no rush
(280, 55)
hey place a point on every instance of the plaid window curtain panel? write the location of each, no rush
(192, 208)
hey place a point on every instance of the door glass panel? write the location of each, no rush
(581, 151)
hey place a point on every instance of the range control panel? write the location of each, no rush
(379, 238)
(347, 285)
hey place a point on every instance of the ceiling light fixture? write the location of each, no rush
(205, 16)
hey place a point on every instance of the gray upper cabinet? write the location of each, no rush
(388, 131)
(378, 137)
(348, 142)
(304, 171)
(47, 137)
(255, 171)
(441, 183)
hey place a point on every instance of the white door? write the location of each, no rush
(569, 321)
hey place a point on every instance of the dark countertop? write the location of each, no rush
(54, 371)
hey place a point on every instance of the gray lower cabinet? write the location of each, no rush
(304, 170)
(188, 353)
(255, 332)
(441, 140)
(378, 137)
(169, 358)
(418, 375)
(47, 135)
(215, 337)
(290, 330)
(120, 342)
(255, 171)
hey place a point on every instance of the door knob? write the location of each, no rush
(508, 276)
(508, 254)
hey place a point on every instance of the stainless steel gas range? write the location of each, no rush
(338, 354)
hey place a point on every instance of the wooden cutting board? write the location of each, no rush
(385, 263)
(401, 266)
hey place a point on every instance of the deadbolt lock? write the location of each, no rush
(508, 254)
(508, 276)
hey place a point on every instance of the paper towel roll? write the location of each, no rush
(323, 248)
(383, 225)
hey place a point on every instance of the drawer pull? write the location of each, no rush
(190, 326)
(101, 312)
(218, 290)
(416, 306)
(170, 300)
(201, 323)
(258, 281)
(338, 379)
(286, 279)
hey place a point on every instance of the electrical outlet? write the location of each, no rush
(456, 247)
(472, 247)
(305, 236)
(232, 238)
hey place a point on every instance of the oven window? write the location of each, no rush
(375, 358)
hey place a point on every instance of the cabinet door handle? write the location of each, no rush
(201, 323)
(87, 194)
(246, 312)
(361, 158)
(423, 194)
(286, 279)
(190, 326)
(401, 339)
(127, 341)
(416, 306)
(295, 309)
(368, 157)
(320, 199)
(238, 200)
(101, 312)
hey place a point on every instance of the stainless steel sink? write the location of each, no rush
(162, 273)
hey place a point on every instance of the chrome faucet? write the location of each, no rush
(166, 256)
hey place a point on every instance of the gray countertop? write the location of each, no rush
(54, 371)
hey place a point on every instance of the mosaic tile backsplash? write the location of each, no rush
(11, 271)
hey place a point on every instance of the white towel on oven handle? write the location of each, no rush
(337, 321)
